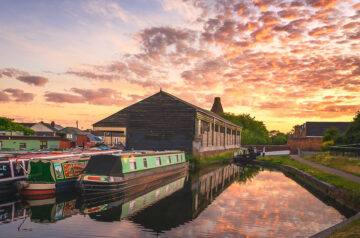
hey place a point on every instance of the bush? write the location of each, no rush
(325, 145)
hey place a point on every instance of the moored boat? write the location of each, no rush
(47, 175)
(119, 173)
(11, 171)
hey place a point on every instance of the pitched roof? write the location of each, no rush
(71, 130)
(119, 119)
(319, 128)
(26, 124)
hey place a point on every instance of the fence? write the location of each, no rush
(346, 150)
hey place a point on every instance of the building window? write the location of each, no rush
(168, 160)
(22, 146)
(133, 164)
(43, 144)
(145, 163)
(158, 161)
(177, 158)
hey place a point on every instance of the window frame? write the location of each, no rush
(158, 161)
(145, 163)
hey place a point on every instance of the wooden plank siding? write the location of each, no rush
(159, 122)
(165, 122)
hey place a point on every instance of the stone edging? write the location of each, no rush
(332, 229)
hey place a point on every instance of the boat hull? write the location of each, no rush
(128, 182)
(40, 190)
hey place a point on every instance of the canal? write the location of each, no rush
(227, 201)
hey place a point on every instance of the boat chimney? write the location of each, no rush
(217, 107)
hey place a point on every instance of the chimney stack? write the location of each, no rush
(217, 107)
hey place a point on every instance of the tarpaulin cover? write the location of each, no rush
(108, 165)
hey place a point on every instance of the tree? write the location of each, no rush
(278, 138)
(254, 132)
(331, 134)
(352, 134)
(8, 125)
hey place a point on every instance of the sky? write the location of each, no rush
(284, 62)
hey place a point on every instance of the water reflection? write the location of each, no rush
(224, 201)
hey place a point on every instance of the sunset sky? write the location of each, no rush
(283, 61)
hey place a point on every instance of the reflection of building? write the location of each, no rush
(186, 204)
(163, 122)
(308, 136)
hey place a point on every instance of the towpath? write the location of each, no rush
(328, 169)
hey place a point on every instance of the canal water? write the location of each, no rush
(228, 201)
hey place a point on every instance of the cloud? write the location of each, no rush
(11, 72)
(15, 95)
(101, 96)
(322, 3)
(33, 80)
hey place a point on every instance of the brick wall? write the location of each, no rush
(304, 143)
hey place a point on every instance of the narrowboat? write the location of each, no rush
(51, 174)
(119, 173)
(11, 171)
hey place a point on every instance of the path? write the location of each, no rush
(328, 169)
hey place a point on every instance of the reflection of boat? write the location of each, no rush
(53, 209)
(113, 210)
(191, 200)
(11, 211)
(47, 175)
(107, 174)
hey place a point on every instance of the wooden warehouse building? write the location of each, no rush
(165, 122)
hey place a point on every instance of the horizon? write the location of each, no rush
(283, 62)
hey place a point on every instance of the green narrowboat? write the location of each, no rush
(119, 173)
(48, 176)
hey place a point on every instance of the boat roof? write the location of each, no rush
(147, 152)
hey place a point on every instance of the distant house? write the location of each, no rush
(43, 129)
(165, 122)
(10, 143)
(308, 136)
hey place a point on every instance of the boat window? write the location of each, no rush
(133, 164)
(145, 163)
(158, 161)
(168, 160)
(43, 144)
(22, 146)
(177, 158)
(5, 170)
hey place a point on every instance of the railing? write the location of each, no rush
(346, 150)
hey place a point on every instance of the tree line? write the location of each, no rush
(7, 124)
(254, 132)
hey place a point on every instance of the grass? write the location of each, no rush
(335, 180)
(351, 230)
(196, 159)
(344, 163)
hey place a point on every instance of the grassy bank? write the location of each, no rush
(335, 180)
(351, 230)
(197, 161)
(344, 163)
